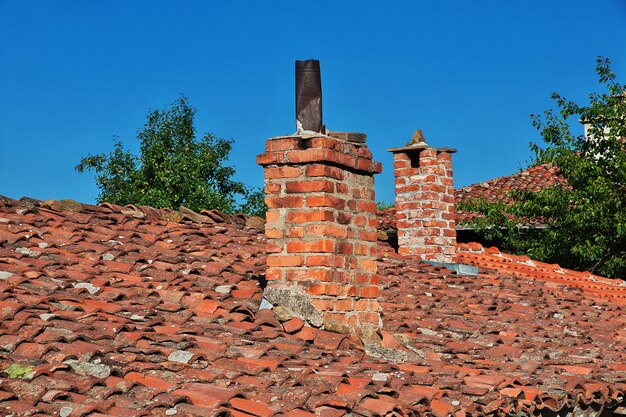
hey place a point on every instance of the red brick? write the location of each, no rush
(448, 198)
(314, 186)
(297, 246)
(282, 172)
(346, 304)
(272, 188)
(344, 159)
(333, 289)
(352, 291)
(362, 278)
(324, 142)
(428, 153)
(411, 188)
(401, 181)
(273, 274)
(342, 188)
(310, 155)
(323, 305)
(282, 144)
(272, 216)
(284, 202)
(360, 249)
(329, 230)
(316, 289)
(325, 201)
(362, 151)
(365, 164)
(360, 220)
(445, 157)
(269, 158)
(368, 265)
(368, 236)
(369, 318)
(325, 260)
(273, 248)
(345, 248)
(344, 275)
(285, 260)
(357, 192)
(437, 224)
(406, 172)
(295, 231)
(434, 187)
(322, 246)
(401, 164)
(401, 157)
(319, 170)
(309, 274)
(310, 216)
(273, 233)
(312, 246)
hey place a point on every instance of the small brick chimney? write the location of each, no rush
(424, 200)
(321, 229)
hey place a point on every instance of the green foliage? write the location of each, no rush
(585, 221)
(255, 203)
(384, 205)
(174, 168)
(19, 371)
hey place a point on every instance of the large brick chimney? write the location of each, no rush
(321, 230)
(424, 200)
(321, 221)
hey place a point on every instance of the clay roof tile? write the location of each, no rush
(113, 310)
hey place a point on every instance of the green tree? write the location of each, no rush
(585, 219)
(255, 203)
(174, 168)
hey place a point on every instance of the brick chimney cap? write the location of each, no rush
(420, 147)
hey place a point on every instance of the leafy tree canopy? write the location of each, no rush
(174, 168)
(585, 220)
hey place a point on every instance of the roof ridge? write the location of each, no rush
(476, 254)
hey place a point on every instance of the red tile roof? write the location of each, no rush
(532, 179)
(124, 311)
(498, 189)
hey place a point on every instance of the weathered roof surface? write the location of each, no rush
(141, 312)
(532, 179)
(498, 189)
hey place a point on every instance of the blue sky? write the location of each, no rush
(75, 74)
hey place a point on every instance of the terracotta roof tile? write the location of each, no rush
(116, 311)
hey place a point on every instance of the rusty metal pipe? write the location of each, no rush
(308, 96)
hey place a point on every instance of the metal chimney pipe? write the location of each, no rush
(308, 96)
